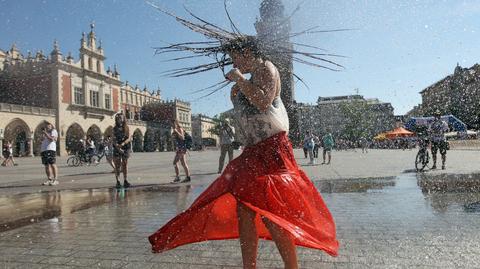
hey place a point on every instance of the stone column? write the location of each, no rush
(30, 146)
(1, 140)
(62, 146)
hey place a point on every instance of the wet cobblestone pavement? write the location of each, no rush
(382, 223)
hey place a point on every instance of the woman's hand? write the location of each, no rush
(234, 91)
(234, 75)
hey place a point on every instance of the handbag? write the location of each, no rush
(236, 145)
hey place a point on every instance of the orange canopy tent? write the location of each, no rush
(399, 132)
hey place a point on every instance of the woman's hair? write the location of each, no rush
(48, 123)
(245, 43)
(123, 125)
(221, 42)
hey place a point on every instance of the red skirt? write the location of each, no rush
(265, 178)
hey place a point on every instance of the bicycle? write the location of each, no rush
(80, 159)
(97, 157)
(422, 159)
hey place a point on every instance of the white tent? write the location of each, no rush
(461, 134)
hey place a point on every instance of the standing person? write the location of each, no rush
(108, 149)
(437, 131)
(48, 151)
(328, 143)
(306, 144)
(364, 144)
(309, 144)
(121, 149)
(8, 154)
(181, 150)
(262, 193)
(227, 135)
(90, 149)
(10, 157)
(317, 145)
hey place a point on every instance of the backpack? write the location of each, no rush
(188, 141)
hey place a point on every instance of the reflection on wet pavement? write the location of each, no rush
(23, 209)
(381, 223)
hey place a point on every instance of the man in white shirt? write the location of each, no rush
(49, 153)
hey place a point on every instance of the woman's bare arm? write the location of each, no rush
(262, 90)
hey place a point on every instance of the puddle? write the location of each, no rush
(408, 195)
(24, 209)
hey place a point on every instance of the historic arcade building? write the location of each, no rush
(80, 97)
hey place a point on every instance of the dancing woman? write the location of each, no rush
(262, 193)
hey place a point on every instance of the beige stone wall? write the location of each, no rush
(16, 118)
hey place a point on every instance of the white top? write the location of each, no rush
(48, 144)
(255, 125)
(227, 135)
(92, 144)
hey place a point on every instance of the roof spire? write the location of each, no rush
(91, 35)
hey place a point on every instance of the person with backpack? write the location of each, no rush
(227, 136)
(182, 141)
(308, 145)
(328, 143)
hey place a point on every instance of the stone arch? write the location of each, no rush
(18, 132)
(149, 143)
(38, 137)
(74, 134)
(95, 133)
(108, 132)
(137, 143)
(167, 137)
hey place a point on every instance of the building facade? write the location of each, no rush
(79, 97)
(202, 137)
(329, 115)
(457, 94)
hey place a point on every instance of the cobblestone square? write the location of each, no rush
(389, 221)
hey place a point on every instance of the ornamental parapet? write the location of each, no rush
(32, 110)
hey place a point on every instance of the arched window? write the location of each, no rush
(90, 63)
(98, 66)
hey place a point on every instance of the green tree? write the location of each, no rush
(358, 119)
(218, 120)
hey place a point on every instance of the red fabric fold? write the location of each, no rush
(266, 178)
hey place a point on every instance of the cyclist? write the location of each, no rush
(437, 131)
(90, 149)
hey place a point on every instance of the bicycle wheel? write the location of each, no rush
(76, 161)
(71, 161)
(420, 161)
(426, 160)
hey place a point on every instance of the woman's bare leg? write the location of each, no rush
(125, 168)
(284, 242)
(185, 166)
(118, 164)
(175, 164)
(248, 236)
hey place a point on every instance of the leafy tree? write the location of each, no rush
(218, 120)
(359, 119)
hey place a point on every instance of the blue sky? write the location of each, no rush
(399, 47)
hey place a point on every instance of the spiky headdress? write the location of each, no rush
(220, 42)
